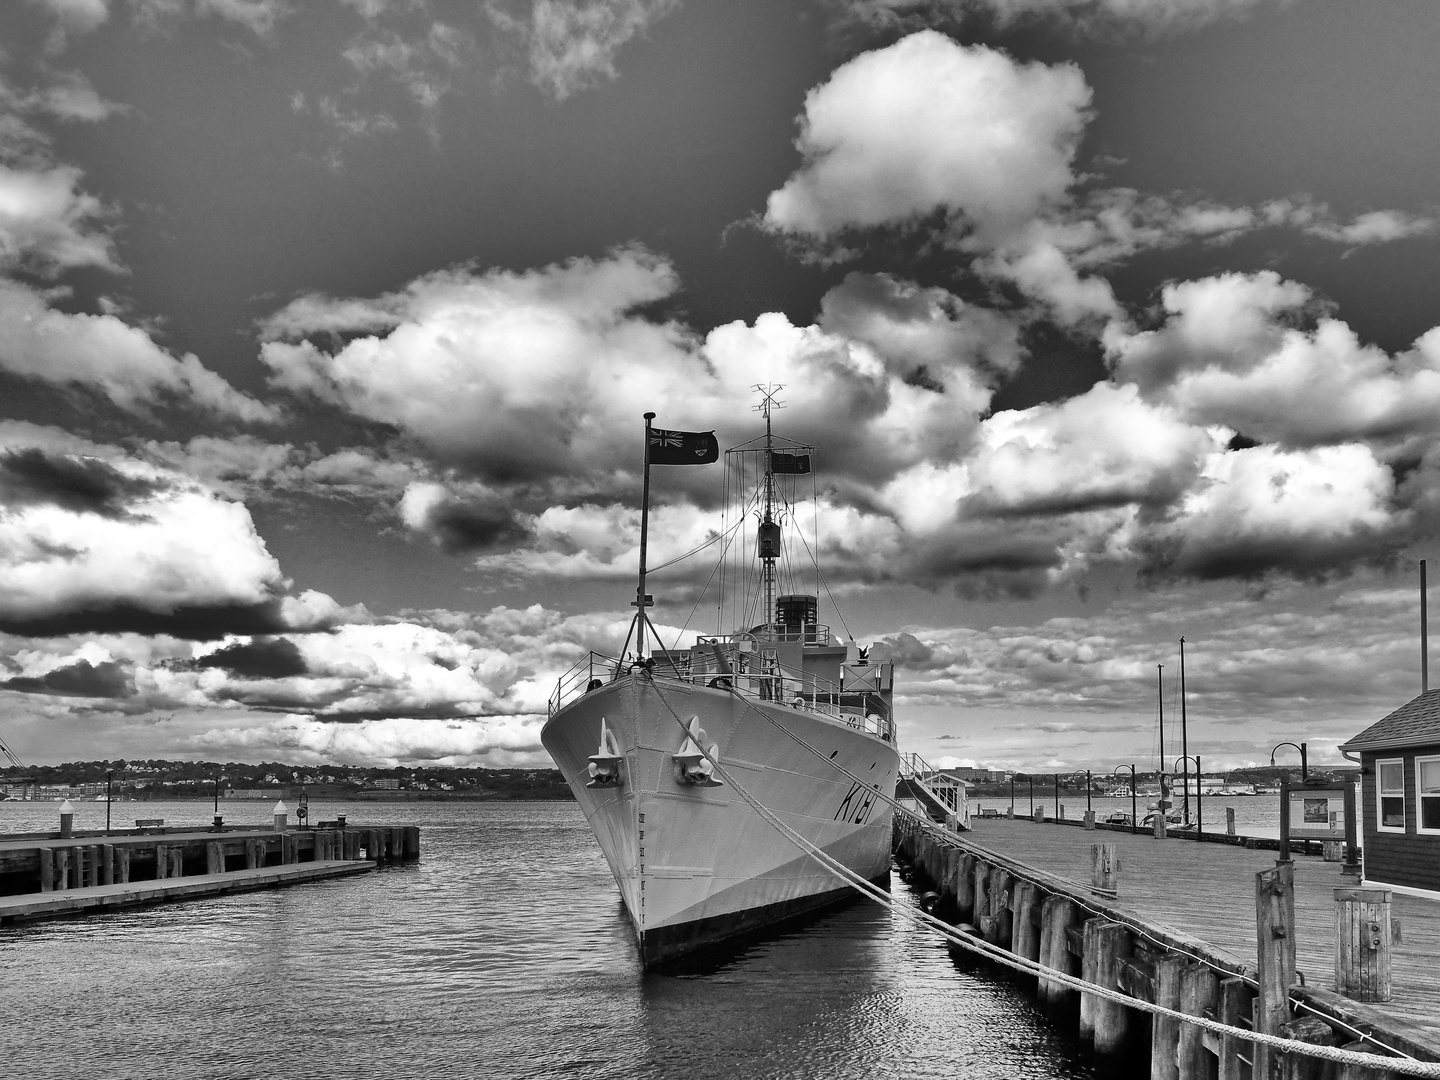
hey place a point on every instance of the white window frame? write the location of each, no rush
(1421, 796)
(1381, 795)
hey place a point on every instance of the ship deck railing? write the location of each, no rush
(780, 686)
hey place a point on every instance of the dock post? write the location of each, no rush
(47, 869)
(254, 853)
(982, 894)
(122, 865)
(1104, 869)
(1057, 916)
(61, 859)
(1165, 1030)
(1233, 1009)
(1310, 1029)
(1159, 823)
(1229, 821)
(1089, 820)
(997, 929)
(1275, 950)
(1025, 925)
(162, 861)
(177, 861)
(965, 889)
(1198, 985)
(397, 847)
(107, 864)
(214, 858)
(289, 848)
(1104, 1023)
(92, 866)
(1362, 944)
(67, 819)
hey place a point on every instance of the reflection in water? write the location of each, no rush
(502, 953)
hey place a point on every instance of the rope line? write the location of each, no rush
(1403, 1065)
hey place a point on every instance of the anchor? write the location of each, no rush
(605, 762)
(691, 766)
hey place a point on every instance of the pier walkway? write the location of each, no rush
(1208, 892)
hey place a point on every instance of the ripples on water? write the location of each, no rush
(503, 953)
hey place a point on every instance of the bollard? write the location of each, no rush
(1060, 814)
(214, 858)
(1159, 822)
(280, 813)
(1089, 820)
(1362, 944)
(219, 822)
(1039, 815)
(122, 865)
(1275, 955)
(340, 820)
(1333, 850)
(1229, 821)
(67, 819)
(1057, 915)
(1104, 869)
(47, 869)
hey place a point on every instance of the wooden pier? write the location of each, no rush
(1175, 924)
(47, 874)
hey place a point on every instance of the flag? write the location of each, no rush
(781, 462)
(683, 447)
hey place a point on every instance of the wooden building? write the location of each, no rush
(1400, 795)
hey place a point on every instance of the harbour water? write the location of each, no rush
(503, 953)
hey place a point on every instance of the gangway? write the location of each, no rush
(937, 791)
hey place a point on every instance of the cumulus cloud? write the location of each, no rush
(47, 224)
(928, 124)
(104, 353)
(1258, 354)
(464, 521)
(120, 545)
(82, 679)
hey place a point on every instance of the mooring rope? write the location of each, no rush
(1135, 927)
(1404, 1065)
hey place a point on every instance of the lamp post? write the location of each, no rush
(1134, 822)
(1199, 809)
(1284, 859)
(1012, 795)
(1031, 778)
(1087, 786)
(108, 774)
(1057, 796)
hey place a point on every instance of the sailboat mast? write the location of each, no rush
(769, 512)
(1160, 696)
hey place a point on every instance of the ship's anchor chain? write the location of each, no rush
(605, 762)
(692, 766)
(1402, 1065)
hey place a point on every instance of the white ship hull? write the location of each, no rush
(696, 865)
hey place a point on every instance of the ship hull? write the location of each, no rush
(696, 865)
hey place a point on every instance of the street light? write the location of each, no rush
(1304, 759)
(1087, 786)
(1134, 822)
(1199, 810)
(1031, 778)
(1012, 795)
(1057, 796)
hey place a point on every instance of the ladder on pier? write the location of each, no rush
(939, 793)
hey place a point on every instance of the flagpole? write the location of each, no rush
(640, 601)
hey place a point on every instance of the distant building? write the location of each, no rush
(387, 783)
(977, 776)
(1400, 795)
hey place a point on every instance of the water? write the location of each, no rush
(503, 953)
(1255, 815)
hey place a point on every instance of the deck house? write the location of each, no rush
(1400, 795)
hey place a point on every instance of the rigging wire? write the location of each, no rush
(819, 574)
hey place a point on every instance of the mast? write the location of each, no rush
(642, 601)
(769, 539)
(1184, 737)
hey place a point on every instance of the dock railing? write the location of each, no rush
(937, 788)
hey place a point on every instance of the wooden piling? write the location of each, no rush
(1229, 821)
(1275, 951)
(254, 853)
(1104, 1023)
(1362, 944)
(397, 845)
(162, 861)
(981, 879)
(965, 889)
(214, 858)
(1159, 824)
(177, 861)
(1089, 820)
(1232, 1008)
(996, 927)
(1309, 1029)
(1025, 922)
(107, 864)
(122, 864)
(47, 869)
(1165, 1030)
(1198, 988)
(1104, 869)
(1058, 914)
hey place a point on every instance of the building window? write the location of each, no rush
(1390, 794)
(1427, 793)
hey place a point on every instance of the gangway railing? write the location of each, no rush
(936, 789)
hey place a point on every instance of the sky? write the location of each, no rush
(326, 330)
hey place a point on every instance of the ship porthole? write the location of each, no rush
(834, 752)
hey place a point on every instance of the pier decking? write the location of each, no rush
(46, 874)
(1209, 891)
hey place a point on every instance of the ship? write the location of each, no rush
(721, 778)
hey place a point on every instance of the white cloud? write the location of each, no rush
(572, 45)
(105, 353)
(929, 124)
(257, 16)
(80, 16)
(47, 224)
(1105, 16)
(1233, 350)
